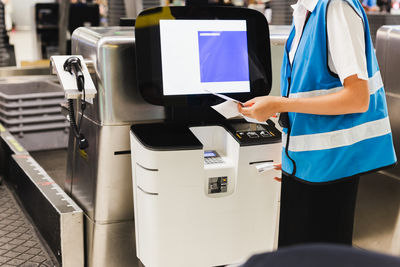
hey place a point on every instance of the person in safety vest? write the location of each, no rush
(334, 117)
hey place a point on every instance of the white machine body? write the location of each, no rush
(181, 222)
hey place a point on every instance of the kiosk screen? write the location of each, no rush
(204, 55)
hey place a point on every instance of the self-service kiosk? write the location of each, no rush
(199, 198)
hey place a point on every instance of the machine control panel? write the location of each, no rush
(212, 157)
(250, 133)
(217, 185)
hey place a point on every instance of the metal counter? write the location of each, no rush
(377, 222)
(99, 179)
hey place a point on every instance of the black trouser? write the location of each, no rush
(315, 213)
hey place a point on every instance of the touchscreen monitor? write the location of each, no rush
(184, 53)
(198, 56)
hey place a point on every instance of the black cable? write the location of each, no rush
(83, 107)
(72, 117)
(73, 66)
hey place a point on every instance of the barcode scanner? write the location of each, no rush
(74, 67)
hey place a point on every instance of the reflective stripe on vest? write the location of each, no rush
(346, 137)
(375, 83)
(325, 148)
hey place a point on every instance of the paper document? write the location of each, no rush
(229, 109)
(264, 167)
(227, 98)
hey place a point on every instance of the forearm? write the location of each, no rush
(346, 101)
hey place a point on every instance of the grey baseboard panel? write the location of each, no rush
(58, 218)
(55, 215)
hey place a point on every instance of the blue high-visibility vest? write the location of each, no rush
(323, 148)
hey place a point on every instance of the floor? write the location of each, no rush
(19, 242)
(377, 222)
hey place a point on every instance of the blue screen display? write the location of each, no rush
(223, 56)
(208, 154)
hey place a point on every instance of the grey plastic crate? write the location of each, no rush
(22, 129)
(31, 111)
(34, 104)
(43, 140)
(30, 90)
(8, 122)
(46, 136)
(36, 94)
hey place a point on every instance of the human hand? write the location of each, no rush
(261, 108)
(278, 167)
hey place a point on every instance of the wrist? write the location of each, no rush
(281, 104)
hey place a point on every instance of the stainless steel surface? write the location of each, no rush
(111, 244)
(18, 71)
(28, 78)
(378, 19)
(377, 217)
(90, 66)
(388, 54)
(113, 52)
(99, 179)
(377, 224)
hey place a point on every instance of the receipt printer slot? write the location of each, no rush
(217, 185)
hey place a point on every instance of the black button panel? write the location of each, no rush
(252, 134)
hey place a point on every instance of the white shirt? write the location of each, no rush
(346, 42)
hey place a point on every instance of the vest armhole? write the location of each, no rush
(327, 43)
(333, 74)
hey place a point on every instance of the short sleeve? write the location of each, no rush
(346, 41)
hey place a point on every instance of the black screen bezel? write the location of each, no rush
(148, 52)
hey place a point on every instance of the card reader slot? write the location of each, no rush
(124, 152)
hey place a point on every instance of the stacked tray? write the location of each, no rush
(31, 111)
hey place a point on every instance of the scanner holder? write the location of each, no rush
(68, 81)
(74, 77)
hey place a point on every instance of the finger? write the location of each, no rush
(278, 179)
(245, 111)
(239, 108)
(278, 166)
(250, 102)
